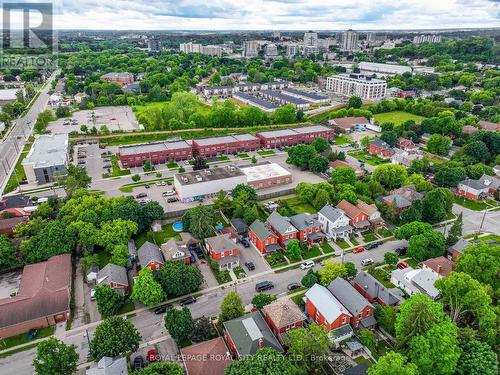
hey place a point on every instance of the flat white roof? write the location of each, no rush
(9, 94)
(47, 151)
(264, 171)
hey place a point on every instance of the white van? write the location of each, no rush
(307, 264)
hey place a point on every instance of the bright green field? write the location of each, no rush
(397, 117)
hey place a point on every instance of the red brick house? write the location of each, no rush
(263, 238)
(406, 144)
(7, 225)
(326, 310)
(282, 315)
(282, 227)
(341, 163)
(208, 357)
(223, 250)
(290, 137)
(348, 124)
(357, 218)
(149, 255)
(228, 144)
(361, 309)
(156, 152)
(122, 78)
(380, 148)
(440, 265)
(309, 228)
(114, 276)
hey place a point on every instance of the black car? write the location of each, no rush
(172, 200)
(169, 183)
(263, 285)
(293, 286)
(138, 362)
(141, 195)
(401, 250)
(162, 309)
(250, 266)
(146, 186)
(187, 301)
(372, 246)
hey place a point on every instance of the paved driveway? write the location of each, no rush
(251, 254)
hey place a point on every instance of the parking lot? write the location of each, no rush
(89, 155)
(115, 118)
(9, 282)
(251, 254)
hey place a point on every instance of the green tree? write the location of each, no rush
(75, 177)
(476, 358)
(351, 269)
(455, 231)
(116, 232)
(321, 198)
(177, 278)
(161, 368)
(146, 289)
(285, 115)
(309, 279)
(179, 324)
(438, 144)
(330, 271)
(318, 164)
(200, 219)
(293, 250)
(120, 255)
(8, 257)
(354, 102)
(390, 137)
(321, 144)
(427, 245)
(231, 307)
(55, 357)
(367, 338)
(480, 261)
(436, 205)
(409, 230)
(391, 258)
(309, 344)
(419, 181)
(113, 337)
(386, 317)
(343, 175)
(262, 299)
(390, 175)
(266, 361)
(393, 364)
(108, 300)
(300, 155)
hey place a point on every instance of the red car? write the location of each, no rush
(358, 249)
(402, 265)
(152, 355)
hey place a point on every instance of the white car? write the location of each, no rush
(92, 294)
(307, 264)
(168, 193)
(366, 262)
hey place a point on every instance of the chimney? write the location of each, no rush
(261, 343)
(438, 269)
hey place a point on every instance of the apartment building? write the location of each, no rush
(349, 41)
(427, 39)
(365, 87)
(250, 48)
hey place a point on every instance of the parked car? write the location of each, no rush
(293, 286)
(401, 250)
(81, 161)
(138, 362)
(250, 266)
(172, 200)
(168, 193)
(162, 309)
(245, 242)
(187, 301)
(92, 294)
(358, 249)
(147, 186)
(263, 285)
(141, 195)
(169, 183)
(366, 262)
(152, 355)
(307, 264)
(372, 245)
(402, 265)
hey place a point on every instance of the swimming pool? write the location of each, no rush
(177, 226)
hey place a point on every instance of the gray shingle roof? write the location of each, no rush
(220, 243)
(260, 230)
(331, 213)
(246, 332)
(149, 252)
(239, 225)
(279, 223)
(375, 289)
(304, 221)
(348, 296)
(112, 273)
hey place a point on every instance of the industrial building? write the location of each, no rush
(260, 103)
(156, 152)
(365, 87)
(123, 78)
(382, 69)
(228, 144)
(203, 184)
(48, 155)
(282, 99)
(291, 137)
(307, 96)
(266, 175)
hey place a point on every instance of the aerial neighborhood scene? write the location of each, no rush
(245, 188)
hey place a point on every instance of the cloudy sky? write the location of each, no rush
(275, 14)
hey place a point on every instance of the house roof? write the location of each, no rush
(348, 296)
(379, 143)
(368, 209)
(493, 182)
(404, 195)
(406, 143)
(283, 312)
(488, 125)
(459, 246)
(132, 249)
(260, 230)
(280, 223)
(11, 222)
(349, 122)
(341, 163)
(375, 289)
(109, 366)
(331, 213)
(173, 250)
(220, 243)
(469, 129)
(417, 280)
(350, 210)
(474, 184)
(44, 290)
(326, 303)
(239, 225)
(148, 253)
(250, 332)
(16, 201)
(208, 357)
(441, 265)
(112, 273)
(304, 221)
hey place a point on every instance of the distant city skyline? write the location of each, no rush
(275, 14)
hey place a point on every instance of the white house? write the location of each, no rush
(334, 222)
(416, 281)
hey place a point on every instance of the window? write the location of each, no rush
(344, 320)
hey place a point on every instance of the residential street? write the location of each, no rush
(151, 327)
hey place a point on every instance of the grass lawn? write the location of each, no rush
(368, 236)
(299, 207)
(327, 249)
(298, 299)
(297, 290)
(362, 360)
(353, 241)
(265, 153)
(311, 253)
(384, 232)
(412, 262)
(397, 117)
(276, 259)
(364, 156)
(116, 171)
(127, 307)
(239, 272)
(474, 205)
(218, 219)
(243, 156)
(223, 158)
(342, 139)
(104, 258)
(222, 277)
(9, 342)
(160, 237)
(342, 244)
(490, 237)
(382, 276)
(492, 202)
(129, 188)
(18, 173)
(172, 165)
